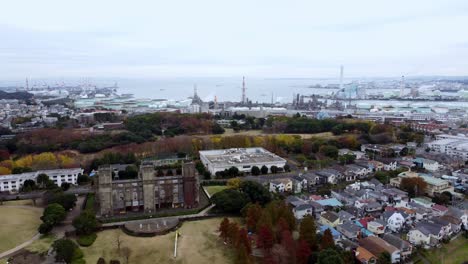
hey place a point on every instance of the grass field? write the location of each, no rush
(19, 202)
(198, 243)
(455, 252)
(17, 225)
(214, 189)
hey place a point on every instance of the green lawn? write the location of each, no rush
(214, 189)
(17, 225)
(455, 252)
(198, 243)
(42, 244)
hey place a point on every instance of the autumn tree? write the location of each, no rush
(265, 239)
(252, 216)
(244, 241)
(307, 231)
(233, 232)
(287, 241)
(234, 183)
(415, 186)
(327, 240)
(303, 252)
(223, 229)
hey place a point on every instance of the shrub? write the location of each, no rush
(101, 260)
(86, 240)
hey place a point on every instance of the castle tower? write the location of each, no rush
(147, 175)
(105, 190)
(191, 185)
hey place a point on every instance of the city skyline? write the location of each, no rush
(52, 39)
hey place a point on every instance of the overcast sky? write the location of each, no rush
(230, 38)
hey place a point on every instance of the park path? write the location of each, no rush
(19, 247)
(204, 212)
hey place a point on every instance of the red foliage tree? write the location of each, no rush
(265, 239)
(303, 252)
(244, 241)
(287, 241)
(233, 232)
(223, 229)
(281, 226)
(254, 212)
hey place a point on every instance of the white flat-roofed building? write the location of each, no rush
(454, 146)
(241, 158)
(13, 182)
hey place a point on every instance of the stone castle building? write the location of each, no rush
(150, 192)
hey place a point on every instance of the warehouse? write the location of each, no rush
(241, 158)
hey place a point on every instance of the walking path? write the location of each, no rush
(204, 212)
(19, 247)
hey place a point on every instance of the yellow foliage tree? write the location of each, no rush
(25, 161)
(7, 164)
(4, 171)
(65, 161)
(46, 160)
(234, 183)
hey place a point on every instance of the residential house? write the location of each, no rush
(425, 233)
(353, 171)
(404, 246)
(329, 218)
(389, 164)
(281, 185)
(349, 230)
(345, 216)
(460, 214)
(331, 202)
(446, 226)
(302, 210)
(329, 176)
(423, 201)
(376, 226)
(395, 195)
(299, 184)
(439, 210)
(377, 246)
(455, 223)
(343, 196)
(364, 256)
(394, 220)
(337, 236)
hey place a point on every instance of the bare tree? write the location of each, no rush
(126, 252)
